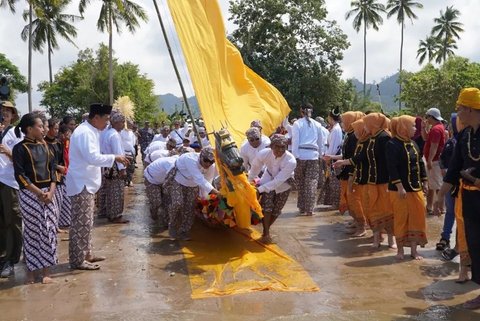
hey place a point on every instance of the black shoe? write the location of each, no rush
(449, 254)
(7, 270)
(443, 244)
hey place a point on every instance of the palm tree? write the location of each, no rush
(8, 3)
(446, 30)
(50, 22)
(428, 48)
(402, 9)
(115, 12)
(445, 49)
(367, 13)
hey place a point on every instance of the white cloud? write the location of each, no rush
(147, 47)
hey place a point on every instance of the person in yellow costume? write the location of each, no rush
(407, 178)
(464, 169)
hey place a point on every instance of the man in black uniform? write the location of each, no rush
(464, 168)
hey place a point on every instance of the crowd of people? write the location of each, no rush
(388, 174)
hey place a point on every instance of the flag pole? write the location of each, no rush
(195, 130)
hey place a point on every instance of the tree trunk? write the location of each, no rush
(364, 63)
(110, 58)
(400, 75)
(30, 50)
(49, 59)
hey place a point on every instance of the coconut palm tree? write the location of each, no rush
(445, 49)
(428, 48)
(367, 14)
(8, 3)
(116, 12)
(402, 9)
(446, 30)
(49, 22)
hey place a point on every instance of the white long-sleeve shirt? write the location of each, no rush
(179, 134)
(335, 139)
(128, 140)
(277, 171)
(248, 152)
(153, 156)
(160, 138)
(111, 144)
(155, 146)
(325, 134)
(7, 175)
(307, 139)
(157, 172)
(86, 160)
(190, 173)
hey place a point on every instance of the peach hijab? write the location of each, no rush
(401, 126)
(376, 122)
(349, 117)
(359, 130)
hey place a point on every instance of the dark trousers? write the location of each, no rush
(10, 225)
(471, 217)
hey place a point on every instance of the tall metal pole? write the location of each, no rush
(195, 130)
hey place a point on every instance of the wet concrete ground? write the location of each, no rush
(136, 282)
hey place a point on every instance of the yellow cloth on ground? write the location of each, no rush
(231, 261)
(228, 92)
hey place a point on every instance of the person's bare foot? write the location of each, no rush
(360, 232)
(416, 256)
(266, 239)
(391, 242)
(47, 280)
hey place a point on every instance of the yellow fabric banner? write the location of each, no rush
(228, 92)
(232, 261)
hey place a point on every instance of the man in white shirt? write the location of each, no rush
(10, 218)
(111, 143)
(83, 181)
(275, 184)
(163, 136)
(155, 175)
(307, 145)
(252, 146)
(203, 136)
(179, 134)
(158, 151)
(258, 124)
(193, 173)
(129, 141)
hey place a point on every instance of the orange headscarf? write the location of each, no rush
(402, 127)
(376, 122)
(359, 130)
(392, 127)
(349, 117)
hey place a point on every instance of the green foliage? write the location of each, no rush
(292, 45)
(439, 87)
(17, 81)
(86, 81)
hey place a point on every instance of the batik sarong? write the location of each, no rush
(114, 197)
(39, 231)
(181, 206)
(156, 202)
(80, 246)
(273, 203)
(306, 176)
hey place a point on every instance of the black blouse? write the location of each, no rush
(361, 166)
(348, 151)
(376, 158)
(33, 163)
(405, 165)
(465, 155)
(57, 149)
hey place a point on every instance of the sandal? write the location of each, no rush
(449, 254)
(87, 266)
(442, 245)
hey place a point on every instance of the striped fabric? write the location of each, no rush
(40, 232)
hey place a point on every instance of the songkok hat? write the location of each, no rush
(7, 104)
(100, 109)
(435, 113)
(256, 123)
(117, 117)
(469, 97)
(207, 154)
(278, 140)
(172, 143)
(253, 132)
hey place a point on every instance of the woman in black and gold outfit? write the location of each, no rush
(34, 167)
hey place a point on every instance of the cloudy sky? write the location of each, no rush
(147, 48)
